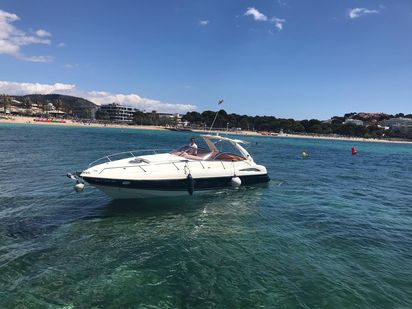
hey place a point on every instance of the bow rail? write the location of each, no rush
(128, 154)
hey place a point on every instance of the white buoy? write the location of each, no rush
(78, 187)
(235, 182)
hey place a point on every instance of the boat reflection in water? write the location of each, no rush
(221, 202)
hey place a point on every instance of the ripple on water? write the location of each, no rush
(330, 231)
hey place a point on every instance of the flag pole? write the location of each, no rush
(217, 113)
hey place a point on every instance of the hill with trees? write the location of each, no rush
(73, 106)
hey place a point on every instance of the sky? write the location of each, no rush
(286, 58)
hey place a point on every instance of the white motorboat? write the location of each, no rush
(224, 163)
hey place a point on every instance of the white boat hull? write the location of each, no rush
(167, 188)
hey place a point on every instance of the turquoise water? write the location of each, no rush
(331, 231)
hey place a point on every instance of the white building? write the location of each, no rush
(118, 113)
(403, 125)
(354, 121)
(171, 116)
(51, 110)
(167, 118)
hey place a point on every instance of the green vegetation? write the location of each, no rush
(336, 125)
(153, 119)
(5, 102)
(73, 106)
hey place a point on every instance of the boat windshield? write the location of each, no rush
(227, 151)
(192, 153)
(218, 152)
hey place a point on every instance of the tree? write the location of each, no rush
(142, 118)
(102, 115)
(5, 102)
(349, 115)
(273, 124)
(27, 104)
(193, 118)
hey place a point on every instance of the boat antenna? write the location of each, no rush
(217, 113)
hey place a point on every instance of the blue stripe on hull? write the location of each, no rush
(176, 184)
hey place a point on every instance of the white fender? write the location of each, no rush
(235, 182)
(78, 187)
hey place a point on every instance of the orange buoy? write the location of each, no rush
(354, 151)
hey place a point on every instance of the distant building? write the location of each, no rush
(118, 113)
(372, 117)
(174, 119)
(354, 121)
(403, 125)
(383, 127)
(51, 110)
(16, 107)
(172, 116)
(35, 109)
(16, 110)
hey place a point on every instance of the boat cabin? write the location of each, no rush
(218, 149)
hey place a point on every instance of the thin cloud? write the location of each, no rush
(37, 58)
(13, 39)
(97, 97)
(278, 22)
(61, 44)
(358, 12)
(204, 22)
(258, 16)
(43, 33)
(282, 2)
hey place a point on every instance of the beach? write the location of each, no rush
(71, 123)
(68, 122)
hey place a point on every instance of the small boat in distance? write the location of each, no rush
(176, 129)
(223, 164)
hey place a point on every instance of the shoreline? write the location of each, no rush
(30, 120)
(71, 123)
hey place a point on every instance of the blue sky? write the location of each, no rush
(286, 58)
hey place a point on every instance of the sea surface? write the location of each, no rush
(330, 231)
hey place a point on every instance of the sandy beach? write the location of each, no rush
(71, 123)
(30, 120)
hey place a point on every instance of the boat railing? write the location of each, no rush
(128, 154)
(178, 164)
(143, 167)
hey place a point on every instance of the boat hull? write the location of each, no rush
(135, 189)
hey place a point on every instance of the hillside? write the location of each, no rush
(75, 106)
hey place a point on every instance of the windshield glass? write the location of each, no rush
(186, 150)
(226, 147)
(222, 151)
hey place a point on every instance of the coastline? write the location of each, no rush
(30, 120)
(71, 123)
(343, 138)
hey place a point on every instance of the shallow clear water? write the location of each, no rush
(331, 231)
